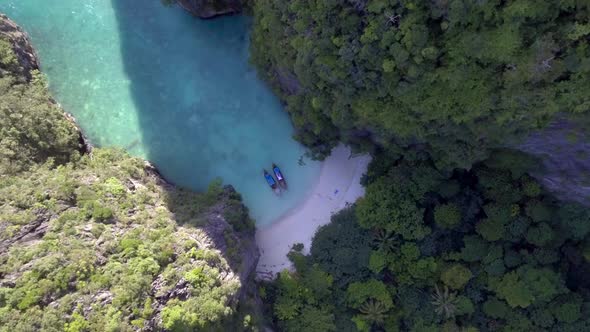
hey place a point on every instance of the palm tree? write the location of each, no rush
(373, 311)
(384, 240)
(445, 302)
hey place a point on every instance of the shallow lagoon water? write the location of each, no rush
(170, 88)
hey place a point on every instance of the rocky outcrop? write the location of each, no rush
(235, 238)
(21, 45)
(564, 149)
(211, 8)
(288, 82)
(29, 62)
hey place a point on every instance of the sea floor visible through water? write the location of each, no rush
(170, 88)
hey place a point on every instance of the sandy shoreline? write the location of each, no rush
(337, 186)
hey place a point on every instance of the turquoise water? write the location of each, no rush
(170, 88)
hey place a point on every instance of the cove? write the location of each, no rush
(172, 89)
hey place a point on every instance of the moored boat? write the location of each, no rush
(271, 182)
(279, 175)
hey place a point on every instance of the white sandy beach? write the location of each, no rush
(338, 185)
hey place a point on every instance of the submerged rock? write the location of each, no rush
(211, 8)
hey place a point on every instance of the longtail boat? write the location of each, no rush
(271, 182)
(279, 175)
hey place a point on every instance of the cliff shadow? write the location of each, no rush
(179, 70)
(182, 74)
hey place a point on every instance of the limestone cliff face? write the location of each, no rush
(237, 243)
(564, 150)
(211, 8)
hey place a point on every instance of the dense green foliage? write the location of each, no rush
(452, 78)
(31, 127)
(99, 242)
(446, 238)
(110, 248)
(479, 250)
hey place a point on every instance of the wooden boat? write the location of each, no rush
(279, 175)
(271, 182)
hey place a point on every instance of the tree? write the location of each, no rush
(384, 206)
(474, 249)
(496, 308)
(464, 306)
(312, 319)
(358, 293)
(456, 276)
(393, 202)
(491, 229)
(289, 301)
(342, 248)
(514, 291)
(447, 215)
(567, 310)
(575, 220)
(540, 235)
(373, 311)
(538, 211)
(445, 302)
(303, 303)
(529, 285)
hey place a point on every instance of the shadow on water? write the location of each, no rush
(201, 110)
(178, 115)
(178, 112)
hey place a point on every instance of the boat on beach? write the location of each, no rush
(279, 175)
(271, 182)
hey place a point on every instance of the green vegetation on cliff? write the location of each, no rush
(99, 242)
(103, 244)
(452, 78)
(479, 250)
(32, 128)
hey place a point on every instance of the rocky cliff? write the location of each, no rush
(22, 48)
(211, 8)
(99, 241)
(564, 150)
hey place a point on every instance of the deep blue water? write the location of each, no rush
(170, 88)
